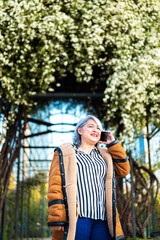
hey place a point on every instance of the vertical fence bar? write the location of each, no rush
(22, 217)
(43, 216)
(3, 221)
(132, 201)
(17, 201)
(22, 198)
(28, 207)
(11, 223)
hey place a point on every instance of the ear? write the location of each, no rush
(79, 130)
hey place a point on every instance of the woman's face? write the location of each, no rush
(90, 132)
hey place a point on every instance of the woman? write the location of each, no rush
(81, 193)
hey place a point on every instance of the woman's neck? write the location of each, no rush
(86, 147)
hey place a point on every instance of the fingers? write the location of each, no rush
(110, 137)
(58, 228)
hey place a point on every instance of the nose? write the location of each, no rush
(95, 129)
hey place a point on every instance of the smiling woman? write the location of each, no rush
(90, 134)
(81, 123)
(81, 194)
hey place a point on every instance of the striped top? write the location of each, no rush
(91, 172)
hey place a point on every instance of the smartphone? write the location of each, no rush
(104, 136)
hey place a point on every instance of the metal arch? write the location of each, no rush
(68, 95)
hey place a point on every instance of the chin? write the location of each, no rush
(94, 141)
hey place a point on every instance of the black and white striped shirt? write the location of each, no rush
(91, 172)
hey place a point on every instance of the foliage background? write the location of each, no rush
(113, 45)
(33, 208)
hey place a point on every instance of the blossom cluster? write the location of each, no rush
(42, 41)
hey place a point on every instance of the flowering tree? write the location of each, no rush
(132, 95)
(110, 45)
(43, 42)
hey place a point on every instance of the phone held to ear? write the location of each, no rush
(104, 136)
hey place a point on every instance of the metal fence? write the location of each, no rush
(25, 210)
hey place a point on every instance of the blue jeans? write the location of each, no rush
(91, 229)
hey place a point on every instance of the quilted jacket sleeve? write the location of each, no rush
(56, 206)
(121, 163)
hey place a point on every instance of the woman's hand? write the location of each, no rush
(110, 139)
(57, 228)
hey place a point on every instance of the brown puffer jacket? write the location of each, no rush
(62, 204)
